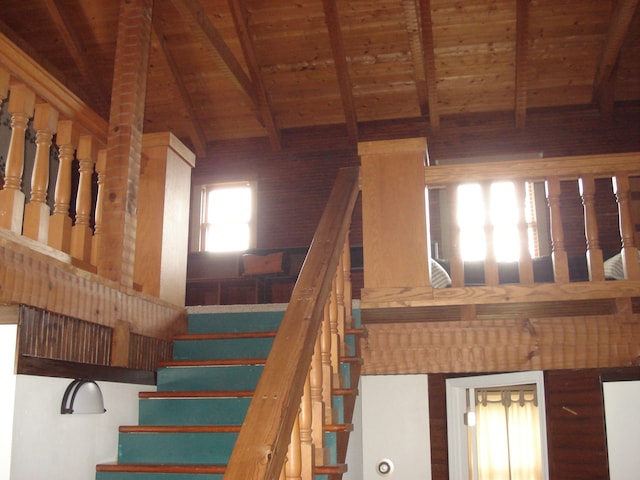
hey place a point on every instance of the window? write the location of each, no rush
(228, 217)
(501, 213)
(497, 426)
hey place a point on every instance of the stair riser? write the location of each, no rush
(155, 476)
(222, 348)
(234, 322)
(176, 448)
(193, 411)
(233, 377)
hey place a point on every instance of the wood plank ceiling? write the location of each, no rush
(233, 69)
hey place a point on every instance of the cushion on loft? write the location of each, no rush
(613, 269)
(439, 276)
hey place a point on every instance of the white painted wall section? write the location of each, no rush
(622, 418)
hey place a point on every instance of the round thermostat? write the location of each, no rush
(384, 467)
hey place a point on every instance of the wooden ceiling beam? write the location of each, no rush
(73, 44)
(605, 71)
(415, 44)
(342, 68)
(212, 41)
(522, 47)
(428, 47)
(196, 133)
(241, 21)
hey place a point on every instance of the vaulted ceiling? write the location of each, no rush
(233, 69)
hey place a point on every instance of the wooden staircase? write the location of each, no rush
(188, 428)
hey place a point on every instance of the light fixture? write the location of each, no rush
(82, 396)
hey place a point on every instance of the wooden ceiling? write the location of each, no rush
(233, 69)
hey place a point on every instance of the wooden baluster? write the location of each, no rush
(81, 232)
(335, 340)
(283, 472)
(60, 223)
(21, 107)
(348, 292)
(307, 454)
(37, 211)
(558, 253)
(327, 374)
(340, 301)
(629, 252)
(317, 402)
(594, 252)
(456, 265)
(490, 264)
(525, 264)
(294, 466)
(101, 166)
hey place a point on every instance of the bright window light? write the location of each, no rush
(502, 213)
(228, 217)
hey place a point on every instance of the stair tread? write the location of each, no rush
(156, 468)
(214, 362)
(179, 428)
(226, 335)
(198, 394)
(345, 391)
(330, 469)
(338, 427)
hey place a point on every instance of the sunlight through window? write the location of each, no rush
(228, 215)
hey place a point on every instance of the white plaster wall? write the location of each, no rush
(395, 426)
(8, 334)
(354, 450)
(622, 418)
(47, 444)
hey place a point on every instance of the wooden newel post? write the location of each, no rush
(21, 106)
(37, 211)
(162, 231)
(394, 213)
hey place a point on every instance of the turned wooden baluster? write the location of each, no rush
(558, 253)
(307, 454)
(81, 232)
(60, 223)
(525, 264)
(348, 293)
(490, 264)
(21, 107)
(595, 263)
(37, 211)
(629, 252)
(335, 339)
(456, 265)
(101, 166)
(293, 466)
(327, 372)
(341, 309)
(317, 402)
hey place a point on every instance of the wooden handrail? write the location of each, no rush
(261, 447)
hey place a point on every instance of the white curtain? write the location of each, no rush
(507, 435)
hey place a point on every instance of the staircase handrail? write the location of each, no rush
(262, 443)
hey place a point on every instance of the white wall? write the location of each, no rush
(47, 444)
(8, 334)
(354, 450)
(622, 418)
(395, 426)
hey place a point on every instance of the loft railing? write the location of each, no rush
(51, 207)
(293, 398)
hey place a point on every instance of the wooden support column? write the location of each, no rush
(394, 213)
(124, 142)
(37, 211)
(120, 344)
(162, 239)
(21, 107)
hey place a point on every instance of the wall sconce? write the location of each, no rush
(82, 396)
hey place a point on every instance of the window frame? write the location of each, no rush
(202, 217)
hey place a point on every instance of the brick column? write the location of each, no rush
(124, 144)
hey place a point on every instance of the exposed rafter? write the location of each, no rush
(618, 27)
(195, 131)
(241, 21)
(209, 37)
(415, 44)
(429, 63)
(73, 44)
(342, 68)
(522, 46)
